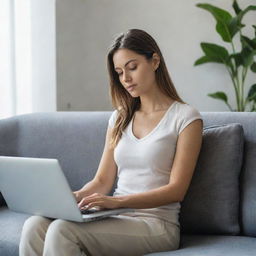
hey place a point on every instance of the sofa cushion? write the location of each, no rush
(208, 245)
(11, 224)
(211, 205)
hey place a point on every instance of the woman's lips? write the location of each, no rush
(131, 87)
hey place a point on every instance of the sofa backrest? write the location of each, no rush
(77, 139)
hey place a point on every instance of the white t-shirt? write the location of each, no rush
(145, 164)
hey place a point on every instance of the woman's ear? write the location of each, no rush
(155, 61)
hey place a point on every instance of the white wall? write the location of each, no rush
(86, 28)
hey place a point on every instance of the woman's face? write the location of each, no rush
(135, 72)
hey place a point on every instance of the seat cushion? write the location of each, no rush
(210, 245)
(211, 205)
(11, 224)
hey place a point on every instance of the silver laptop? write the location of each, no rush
(38, 186)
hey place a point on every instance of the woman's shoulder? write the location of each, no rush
(186, 114)
(112, 119)
(185, 109)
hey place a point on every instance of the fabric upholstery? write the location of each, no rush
(77, 140)
(211, 205)
(10, 225)
(213, 245)
(248, 174)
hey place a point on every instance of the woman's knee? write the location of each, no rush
(59, 228)
(35, 224)
(33, 234)
(59, 232)
(62, 239)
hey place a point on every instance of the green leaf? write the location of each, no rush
(252, 93)
(235, 25)
(216, 53)
(202, 60)
(247, 56)
(219, 96)
(253, 67)
(238, 59)
(241, 14)
(236, 7)
(223, 19)
(251, 44)
(206, 59)
(249, 8)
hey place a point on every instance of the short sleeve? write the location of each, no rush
(187, 115)
(112, 119)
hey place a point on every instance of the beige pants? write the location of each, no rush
(120, 235)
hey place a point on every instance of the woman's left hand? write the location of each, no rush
(99, 200)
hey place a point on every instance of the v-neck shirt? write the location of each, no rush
(145, 164)
(154, 129)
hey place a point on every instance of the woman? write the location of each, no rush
(152, 145)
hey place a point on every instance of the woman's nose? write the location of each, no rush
(127, 77)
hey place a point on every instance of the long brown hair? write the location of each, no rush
(142, 43)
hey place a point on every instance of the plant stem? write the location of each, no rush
(230, 108)
(236, 84)
(245, 69)
(239, 90)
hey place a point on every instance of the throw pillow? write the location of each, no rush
(211, 205)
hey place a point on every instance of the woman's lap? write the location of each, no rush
(118, 235)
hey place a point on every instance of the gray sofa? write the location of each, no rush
(218, 214)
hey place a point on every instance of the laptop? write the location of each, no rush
(38, 186)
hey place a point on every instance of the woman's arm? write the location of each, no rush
(105, 175)
(187, 152)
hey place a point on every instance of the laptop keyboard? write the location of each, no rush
(89, 211)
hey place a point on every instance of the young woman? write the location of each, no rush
(152, 145)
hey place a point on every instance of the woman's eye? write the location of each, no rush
(132, 68)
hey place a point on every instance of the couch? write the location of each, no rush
(218, 214)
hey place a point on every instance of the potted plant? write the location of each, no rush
(236, 62)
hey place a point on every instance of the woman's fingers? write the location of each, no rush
(96, 204)
(98, 200)
(82, 203)
(90, 199)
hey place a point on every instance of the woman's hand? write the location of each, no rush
(100, 201)
(77, 195)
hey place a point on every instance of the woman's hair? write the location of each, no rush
(142, 43)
